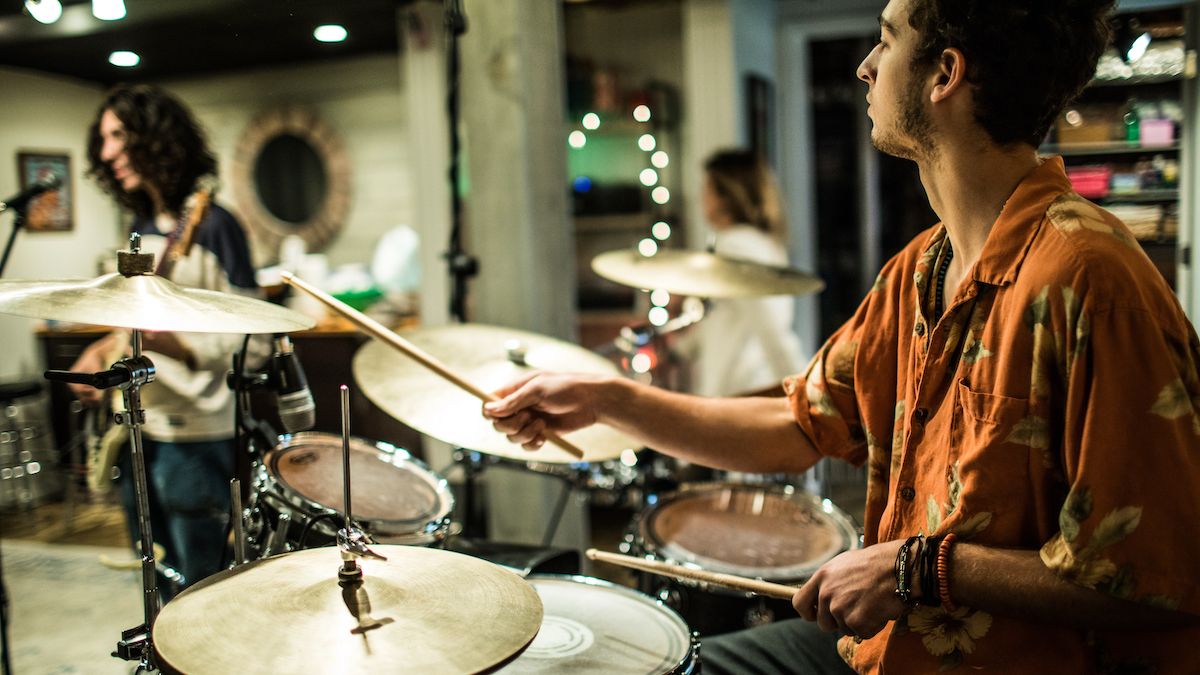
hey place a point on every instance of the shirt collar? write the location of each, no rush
(1018, 223)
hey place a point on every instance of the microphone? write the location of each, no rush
(297, 411)
(19, 200)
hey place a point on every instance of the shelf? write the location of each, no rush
(1100, 149)
(1158, 241)
(1136, 80)
(1143, 197)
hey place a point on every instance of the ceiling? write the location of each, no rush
(177, 38)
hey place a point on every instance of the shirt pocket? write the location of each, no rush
(977, 465)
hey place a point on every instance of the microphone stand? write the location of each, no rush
(18, 224)
(462, 265)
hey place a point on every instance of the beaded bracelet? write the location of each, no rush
(943, 573)
(903, 580)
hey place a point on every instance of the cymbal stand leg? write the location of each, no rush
(471, 463)
(351, 541)
(135, 644)
(236, 521)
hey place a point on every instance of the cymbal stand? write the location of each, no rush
(130, 374)
(351, 541)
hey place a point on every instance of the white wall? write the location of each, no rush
(361, 99)
(42, 112)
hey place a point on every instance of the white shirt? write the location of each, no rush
(744, 344)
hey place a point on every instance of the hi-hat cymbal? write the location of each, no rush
(481, 354)
(703, 275)
(146, 302)
(422, 611)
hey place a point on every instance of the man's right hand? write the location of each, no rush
(541, 402)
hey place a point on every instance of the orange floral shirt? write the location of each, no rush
(1053, 407)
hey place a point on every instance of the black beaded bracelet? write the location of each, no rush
(902, 571)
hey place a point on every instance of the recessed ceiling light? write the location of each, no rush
(124, 59)
(108, 10)
(330, 32)
(44, 11)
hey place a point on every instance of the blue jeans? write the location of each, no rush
(188, 491)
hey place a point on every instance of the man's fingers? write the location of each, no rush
(804, 600)
(512, 398)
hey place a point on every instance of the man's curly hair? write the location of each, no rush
(1026, 59)
(165, 145)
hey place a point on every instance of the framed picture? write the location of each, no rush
(51, 211)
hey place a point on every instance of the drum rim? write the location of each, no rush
(266, 478)
(648, 541)
(685, 665)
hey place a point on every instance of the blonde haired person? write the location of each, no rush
(745, 344)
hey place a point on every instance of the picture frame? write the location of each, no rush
(52, 211)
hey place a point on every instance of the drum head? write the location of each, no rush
(767, 532)
(593, 626)
(389, 485)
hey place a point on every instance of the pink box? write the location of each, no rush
(1157, 132)
(1090, 182)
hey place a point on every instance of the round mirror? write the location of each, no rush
(291, 175)
(290, 178)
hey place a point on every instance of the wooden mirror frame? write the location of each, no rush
(266, 230)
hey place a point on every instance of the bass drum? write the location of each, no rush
(593, 626)
(296, 501)
(770, 532)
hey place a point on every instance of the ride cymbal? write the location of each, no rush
(146, 302)
(422, 610)
(489, 357)
(704, 275)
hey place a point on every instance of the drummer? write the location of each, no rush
(1031, 499)
(147, 151)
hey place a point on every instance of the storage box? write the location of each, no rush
(1093, 123)
(1156, 132)
(1091, 182)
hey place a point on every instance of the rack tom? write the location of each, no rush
(296, 501)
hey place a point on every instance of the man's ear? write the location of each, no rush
(949, 76)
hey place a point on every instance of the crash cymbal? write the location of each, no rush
(426, 402)
(146, 302)
(704, 275)
(422, 610)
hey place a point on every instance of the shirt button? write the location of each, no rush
(921, 414)
(920, 328)
(908, 493)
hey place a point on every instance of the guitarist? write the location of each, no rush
(147, 151)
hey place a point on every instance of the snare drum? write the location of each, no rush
(771, 532)
(593, 626)
(296, 501)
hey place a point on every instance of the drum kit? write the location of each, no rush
(336, 583)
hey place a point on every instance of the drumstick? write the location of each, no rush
(756, 586)
(377, 330)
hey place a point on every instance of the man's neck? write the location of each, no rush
(968, 185)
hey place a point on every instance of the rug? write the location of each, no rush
(66, 609)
